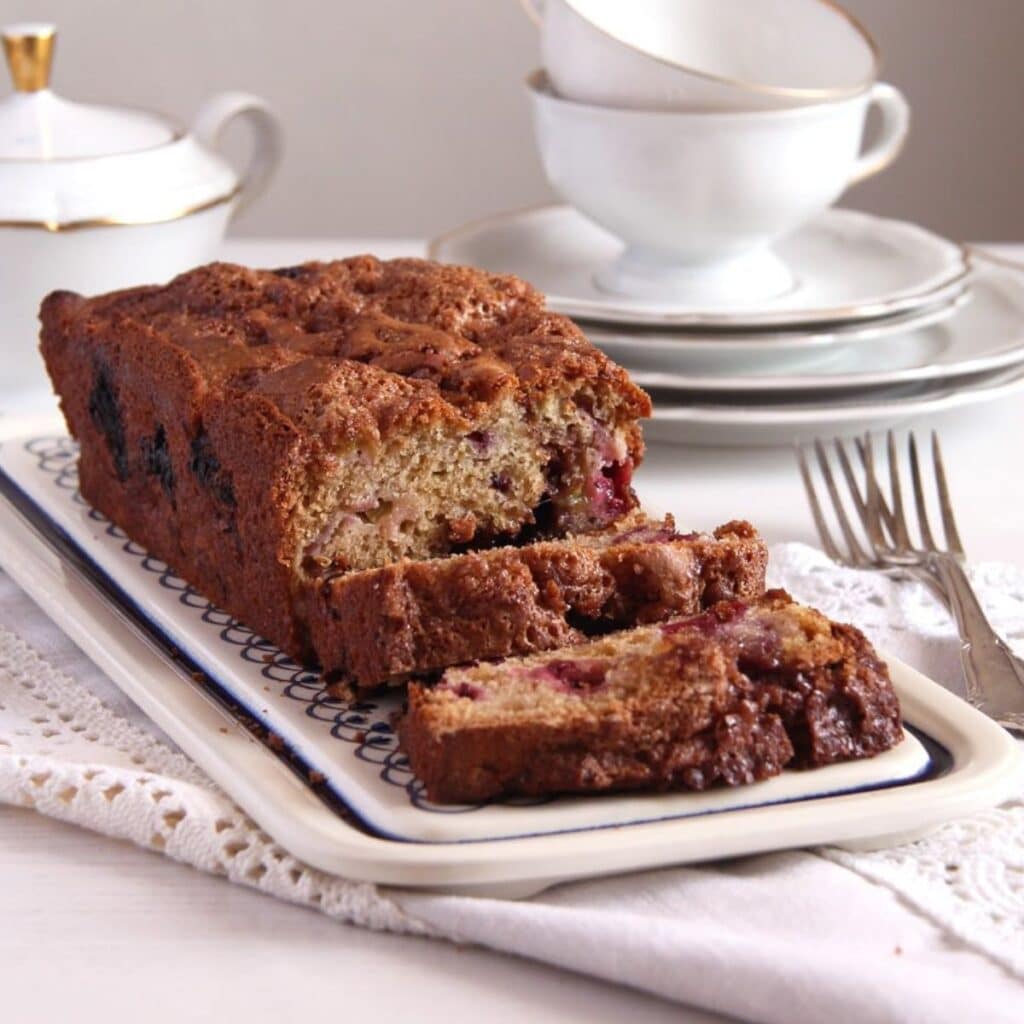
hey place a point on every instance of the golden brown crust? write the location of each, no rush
(741, 746)
(417, 617)
(726, 697)
(434, 339)
(209, 411)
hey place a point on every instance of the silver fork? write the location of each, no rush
(995, 677)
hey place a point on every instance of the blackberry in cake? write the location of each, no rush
(257, 429)
(383, 625)
(727, 697)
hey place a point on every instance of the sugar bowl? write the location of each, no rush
(95, 198)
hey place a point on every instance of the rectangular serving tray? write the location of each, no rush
(198, 672)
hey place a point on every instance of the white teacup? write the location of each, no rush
(703, 54)
(699, 198)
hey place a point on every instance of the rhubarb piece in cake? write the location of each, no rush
(727, 697)
(252, 427)
(382, 625)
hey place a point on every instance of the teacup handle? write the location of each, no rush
(217, 113)
(895, 111)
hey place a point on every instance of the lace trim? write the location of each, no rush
(64, 753)
(901, 616)
(967, 877)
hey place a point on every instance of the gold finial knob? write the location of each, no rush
(29, 51)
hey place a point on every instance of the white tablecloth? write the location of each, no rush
(929, 932)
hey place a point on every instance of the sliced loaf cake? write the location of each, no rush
(251, 427)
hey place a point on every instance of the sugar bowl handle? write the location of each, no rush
(217, 113)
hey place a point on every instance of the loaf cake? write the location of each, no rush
(729, 696)
(260, 429)
(381, 625)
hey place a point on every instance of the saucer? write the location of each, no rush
(684, 348)
(766, 423)
(986, 333)
(847, 266)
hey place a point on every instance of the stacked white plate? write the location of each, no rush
(887, 322)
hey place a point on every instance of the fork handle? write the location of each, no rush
(995, 677)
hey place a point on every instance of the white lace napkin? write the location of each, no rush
(930, 931)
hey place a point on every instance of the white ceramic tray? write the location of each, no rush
(189, 666)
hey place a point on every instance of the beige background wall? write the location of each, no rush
(405, 117)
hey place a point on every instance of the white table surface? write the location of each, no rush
(97, 930)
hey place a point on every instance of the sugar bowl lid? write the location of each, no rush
(37, 124)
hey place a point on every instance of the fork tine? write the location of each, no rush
(953, 541)
(831, 549)
(879, 511)
(851, 480)
(876, 502)
(919, 502)
(902, 537)
(857, 555)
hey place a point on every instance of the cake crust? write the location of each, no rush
(380, 626)
(730, 696)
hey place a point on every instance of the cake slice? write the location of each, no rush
(726, 697)
(380, 626)
(251, 427)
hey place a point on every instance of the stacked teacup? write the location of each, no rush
(699, 146)
(700, 132)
